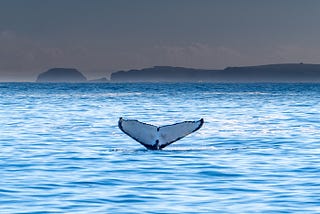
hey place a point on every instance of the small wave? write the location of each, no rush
(236, 93)
(122, 94)
(174, 149)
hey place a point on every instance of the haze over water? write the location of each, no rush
(62, 152)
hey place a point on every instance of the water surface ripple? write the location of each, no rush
(61, 150)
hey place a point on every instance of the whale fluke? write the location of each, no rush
(156, 138)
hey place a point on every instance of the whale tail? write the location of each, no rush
(156, 138)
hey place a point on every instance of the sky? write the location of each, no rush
(98, 37)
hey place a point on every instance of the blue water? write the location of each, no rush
(62, 152)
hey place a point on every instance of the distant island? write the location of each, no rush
(294, 72)
(61, 75)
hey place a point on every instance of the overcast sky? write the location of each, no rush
(101, 36)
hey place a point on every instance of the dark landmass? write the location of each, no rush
(295, 72)
(61, 75)
(160, 74)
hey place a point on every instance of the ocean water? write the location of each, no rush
(62, 152)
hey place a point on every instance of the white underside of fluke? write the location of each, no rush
(156, 138)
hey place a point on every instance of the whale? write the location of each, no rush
(157, 137)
